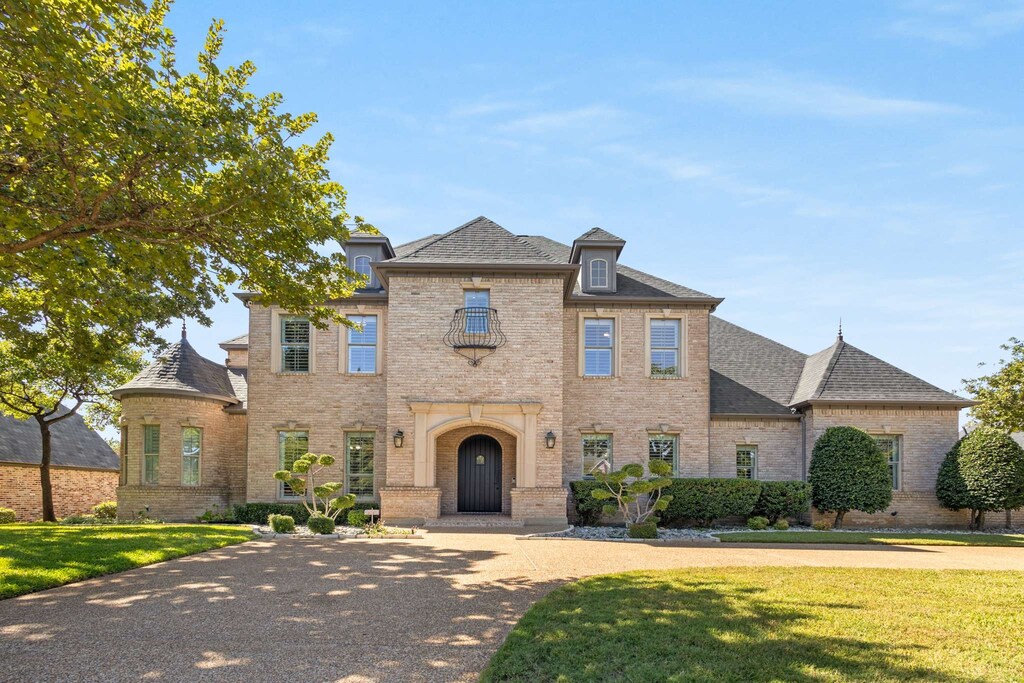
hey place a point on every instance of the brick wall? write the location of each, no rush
(778, 441)
(74, 490)
(173, 503)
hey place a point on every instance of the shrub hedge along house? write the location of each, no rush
(486, 371)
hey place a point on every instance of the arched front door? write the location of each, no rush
(480, 474)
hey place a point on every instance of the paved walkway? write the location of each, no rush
(419, 610)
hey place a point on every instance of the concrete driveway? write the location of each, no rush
(418, 610)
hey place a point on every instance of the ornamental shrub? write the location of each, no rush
(781, 499)
(357, 518)
(637, 498)
(781, 525)
(648, 529)
(320, 524)
(588, 509)
(821, 525)
(105, 510)
(705, 500)
(8, 516)
(849, 472)
(259, 513)
(984, 471)
(757, 523)
(281, 524)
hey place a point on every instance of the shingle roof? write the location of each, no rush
(629, 281)
(409, 247)
(481, 240)
(598, 235)
(842, 372)
(239, 378)
(240, 341)
(181, 370)
(750, 374)
(72, 444)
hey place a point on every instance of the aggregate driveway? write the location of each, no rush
(433, 609)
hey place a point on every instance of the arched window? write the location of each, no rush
(362, 266)
(599, 273)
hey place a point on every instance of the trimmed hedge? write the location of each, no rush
(320, 524)
(588, 509)
(849, 472)
(257, 513)
(281, 524)
(648, 529)
(782, 499)
(983, 472)
(105, 510)
(8, 516)
(705, 500)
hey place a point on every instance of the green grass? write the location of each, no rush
(38, 556)
(773, 624)
(1009, 540)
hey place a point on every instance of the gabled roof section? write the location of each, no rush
(72, 444)
(480, 241)
(595, 237)
(598, 235)
(751, 374)
(844, 373)
(180, 370)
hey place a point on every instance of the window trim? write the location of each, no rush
(466, 292)
(600, 314)
(198, 456)
(897, 475)
(281, 463)
(607, 274)
(275, 345)
(369, 267)
(754, 460)
(583, 451)
(343, 367)
(373, 470)
(146, 455)
(651, 436)
(122, 451)
(667, 314)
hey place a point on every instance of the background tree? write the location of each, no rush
(849, 472)
(132, 193)
(1001, 394)
(76, 368)
(983, 472)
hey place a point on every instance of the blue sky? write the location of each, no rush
(806, 161)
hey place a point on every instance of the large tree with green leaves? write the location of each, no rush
(77, 368)
(982, 473)
(133, 192)
(1001, 393)
(849, 472)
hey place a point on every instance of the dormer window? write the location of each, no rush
(599, 273)
(362, 267)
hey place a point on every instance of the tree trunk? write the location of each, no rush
(981, 521)
(839, 520)
(44, 471)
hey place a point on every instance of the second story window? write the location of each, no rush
(477, 301)
(150, 454)
(598, 273)
(598, 347)
(665, 348)
(294, 344)
(362, 345)
(361, 265)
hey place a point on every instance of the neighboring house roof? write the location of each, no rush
(751, 374)
(842, 372)
(180, 370)
(239, 342)
(72, 444)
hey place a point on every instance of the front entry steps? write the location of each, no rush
(472, 521)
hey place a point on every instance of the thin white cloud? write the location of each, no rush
(778, 93)
(485, 108)
(555, 121)
(959, 23)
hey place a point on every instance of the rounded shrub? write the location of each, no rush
(757, 523)
(8, 516)
(849, 472)
(704, 500)
(984, 471)
(357, 518)
(781, 525)
(781, 499)
(588, 509)
(105, 510)
(648, 529)
(281, 524)
(320, 524)
(821, 525)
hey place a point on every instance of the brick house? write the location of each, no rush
(83, 472)
(487, 370)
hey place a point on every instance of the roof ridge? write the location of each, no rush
(543, 254)
(827, 375)
(440, 237)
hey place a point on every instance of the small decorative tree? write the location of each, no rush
(983, 472)
(318, 499)
(638, 499)
(849, 472)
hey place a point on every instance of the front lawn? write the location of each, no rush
(38, 556)
(772, 624)
(1012, 540)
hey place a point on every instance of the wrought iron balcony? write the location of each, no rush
(475, 333)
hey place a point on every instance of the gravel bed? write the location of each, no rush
(302, 530)
(611, 533)
(909, 531)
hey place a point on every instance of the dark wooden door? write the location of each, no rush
(480, 474)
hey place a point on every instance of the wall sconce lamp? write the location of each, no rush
(399, 438)
(549, 439)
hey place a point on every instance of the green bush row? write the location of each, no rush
(704, 500)
(257, 513)
(8, 516)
